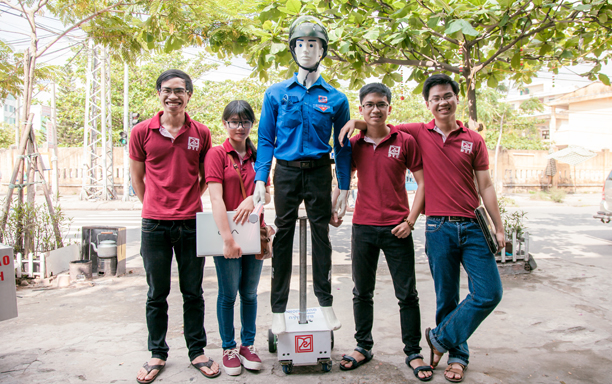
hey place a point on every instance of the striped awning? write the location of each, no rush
(572, 155)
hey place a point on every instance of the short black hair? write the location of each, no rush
(439, 79)
(379, 88)
(171, 74)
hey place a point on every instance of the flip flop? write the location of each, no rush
(422, 368)
(456, 372)
(149, 368)
(208, 364)
(367, 354)
(432, 350)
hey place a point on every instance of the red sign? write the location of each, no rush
(322, 99)
(303, 344)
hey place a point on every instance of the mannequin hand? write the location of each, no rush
(335, 221)
(231, 249)
(340, 206)
(259, 195)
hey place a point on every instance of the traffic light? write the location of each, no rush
(135, 119)
(123, 138)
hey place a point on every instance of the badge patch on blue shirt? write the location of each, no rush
(323, 108)
(323, 99)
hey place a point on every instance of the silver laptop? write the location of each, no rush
(210, 243)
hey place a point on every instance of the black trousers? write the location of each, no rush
(366, 243)
(160, 239)
(291, 187)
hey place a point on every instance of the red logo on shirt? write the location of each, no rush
(466, 147)
(303, 343)
(394, 151)
(323, 99)
(322, 107)
(194, 143)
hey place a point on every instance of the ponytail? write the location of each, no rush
(250, 145)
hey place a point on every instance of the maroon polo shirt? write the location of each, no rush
(219, 169)
(448, 168)
(381, 175)
(172, 168)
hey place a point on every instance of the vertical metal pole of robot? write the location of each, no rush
(126, 129)
(105, 186)
(303, 269)
(87, 160)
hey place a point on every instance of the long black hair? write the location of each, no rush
(243, 110)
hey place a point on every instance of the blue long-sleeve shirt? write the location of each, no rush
(296, 124)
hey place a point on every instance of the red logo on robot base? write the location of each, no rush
(303, 343)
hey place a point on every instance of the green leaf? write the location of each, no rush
(516, 60)
(388, 80)
(504, 20)
(545, 49)
(267, 25)
(604, 79)
(433, 22)
(583, 7)
(372, 34)
(567, 54)
(492, 81)
(418, 89)
(294, 6)
(461, 25)
(345, 47)
(277, 47)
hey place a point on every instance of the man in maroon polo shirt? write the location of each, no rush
(167, 167)
(382, 220)
(454, 157)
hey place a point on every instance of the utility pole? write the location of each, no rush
(126, 130)
(98, 181)
(54, 163)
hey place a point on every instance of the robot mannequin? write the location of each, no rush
(295, 127)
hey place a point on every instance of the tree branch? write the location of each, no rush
(456, 42)
(5, 2)
(78, 24)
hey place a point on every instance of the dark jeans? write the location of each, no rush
(291, 187)
(448, 246)
(233, 276)
(366, 243)
(159, 239)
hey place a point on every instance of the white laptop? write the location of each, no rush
(210, 243)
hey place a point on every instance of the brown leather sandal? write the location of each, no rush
(455, 371)
(432, 351)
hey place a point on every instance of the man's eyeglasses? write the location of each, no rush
(235, 124)
(370, 106)
(176, 91)
(437, 99)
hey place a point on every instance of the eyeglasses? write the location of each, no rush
(176, 91)
(437, 99)
(235, 124)
(370, 106)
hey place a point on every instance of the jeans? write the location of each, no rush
(366, 243)
(160, 238)
(449, 245)
(291, 187)
(237, 275)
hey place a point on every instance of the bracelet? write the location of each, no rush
(410, 224)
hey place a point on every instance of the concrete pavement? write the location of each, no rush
(552, 326)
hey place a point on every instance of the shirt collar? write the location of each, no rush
(432, 124)
(156, 123)
(392, 131)
(319, 83)
(229, 149)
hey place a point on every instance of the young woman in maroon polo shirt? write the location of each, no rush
(235, 272)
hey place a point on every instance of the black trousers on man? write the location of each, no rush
(291, 187)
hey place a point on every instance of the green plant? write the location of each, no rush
(33, 221)
(513, 221)
(557, 195)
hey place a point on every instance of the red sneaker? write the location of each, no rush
(231, 362)
(248, 357)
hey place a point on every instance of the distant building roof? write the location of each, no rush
(595, 90)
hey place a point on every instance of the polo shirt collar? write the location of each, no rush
(319, 83)
(393, 131)
(229, 149)
(432, 124)
(156, 121)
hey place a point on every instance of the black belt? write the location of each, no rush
(453, 218)
(307, 164)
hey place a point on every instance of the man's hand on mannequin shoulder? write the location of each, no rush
(259, 194)
(349, 128)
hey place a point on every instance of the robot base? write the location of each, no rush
(303, 344)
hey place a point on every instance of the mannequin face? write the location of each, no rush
(308, 51)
